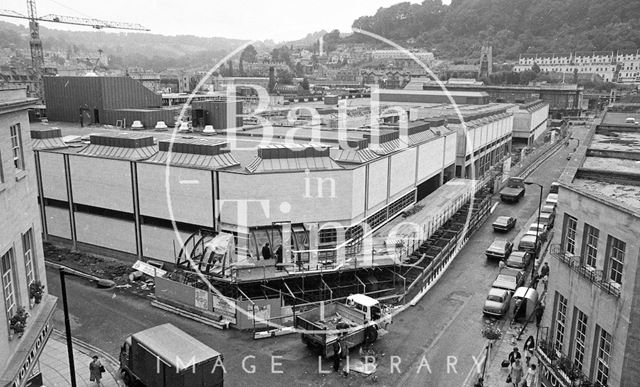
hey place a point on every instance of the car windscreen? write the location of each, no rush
(493, 297)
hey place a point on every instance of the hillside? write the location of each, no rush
(151, 51)
(457, 31)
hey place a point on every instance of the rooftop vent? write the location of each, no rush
(196, 147)
(46, 133)
(128, 141)
(291, 152)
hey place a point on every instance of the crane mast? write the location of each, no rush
(35, 43)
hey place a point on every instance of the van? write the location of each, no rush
(554, 187)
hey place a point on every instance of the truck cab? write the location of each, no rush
(369, 306)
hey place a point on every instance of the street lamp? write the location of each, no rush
(67, 328)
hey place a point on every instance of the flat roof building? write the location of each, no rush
(594, 285)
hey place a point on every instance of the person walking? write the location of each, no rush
(529, 346)
(545, 282)
(266, 251)
(544, 270)
(514, 355)
(516, 373)
(531, 377)
(337, 355)
(95, 371)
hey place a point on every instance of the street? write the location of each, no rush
(437, 342)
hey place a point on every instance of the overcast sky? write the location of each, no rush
(245, 19)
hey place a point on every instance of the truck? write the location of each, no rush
(359, 320)
(165, 356)
(513, 191)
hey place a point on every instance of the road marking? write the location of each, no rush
(189, 182)
(403, 381)
(466, 380)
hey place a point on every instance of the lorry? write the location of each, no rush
(165, 356)
(359, 320)
(513, 191)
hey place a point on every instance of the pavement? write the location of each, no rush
(54, 363)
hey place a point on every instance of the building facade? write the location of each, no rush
(593, 303)
(530, 121)
(21, 252)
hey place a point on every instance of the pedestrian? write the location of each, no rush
(501, 265)
(529, 346)
(266, 251)
(545, 282)
(530, 379)
(534, 283)
(516, 373)
(544, 270)
(514, 355)
(539, 313)
(337, 355)
(95, 371)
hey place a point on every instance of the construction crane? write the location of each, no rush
(35, 44)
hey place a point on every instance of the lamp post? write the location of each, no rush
(67, 328)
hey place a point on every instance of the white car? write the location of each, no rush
(497, 302)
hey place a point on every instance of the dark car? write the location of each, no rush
(530, 243)
(504, 223)
(518, 260)
(499, 249)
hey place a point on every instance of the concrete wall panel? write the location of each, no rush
(101, 183)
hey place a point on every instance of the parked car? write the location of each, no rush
(500, 249)
(497, 302)
(539, 228)
(509, 279)
(552, 199)
(554, 187)
(548, 219)
(548, 209)
(504, 223)
(518, 260)
(529, 243)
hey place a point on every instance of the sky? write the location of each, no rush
(278, 20)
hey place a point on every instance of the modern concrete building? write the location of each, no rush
(530, 121)
(593, 305)
(21, 252)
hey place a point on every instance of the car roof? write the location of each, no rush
(499, 242)
(519, 253)
(510, 272)
(528, 238)
(536, 224)
(545, 214)
(503, 217)
(497, 292)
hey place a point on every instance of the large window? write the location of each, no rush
(616, 259)
(604, 353)
(591, 235)
(561, 321)
(16, 146)
(8, 285)
(27, 247)
(580, 338)
(570, 226)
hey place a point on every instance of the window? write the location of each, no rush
(16, 146)
(602, 360)
(581, 335)
(327, 236)
(616, 259)
(8, 286)
(570, 226)
(591, 235)
(27, 247)
(561, 321)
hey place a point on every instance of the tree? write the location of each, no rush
(285, 77)
(535, 68)
(305, 84)
(249, 54)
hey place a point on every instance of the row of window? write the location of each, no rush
(615, 249)
(7, 265)
(16, 151)
(577, 350)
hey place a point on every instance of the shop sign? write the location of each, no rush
(32, 356)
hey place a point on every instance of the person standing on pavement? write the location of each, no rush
(529, 346)
(514, 355)
(95, 371)
(531, 377)
(337, 355)
(266, 251)
(516, 373)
